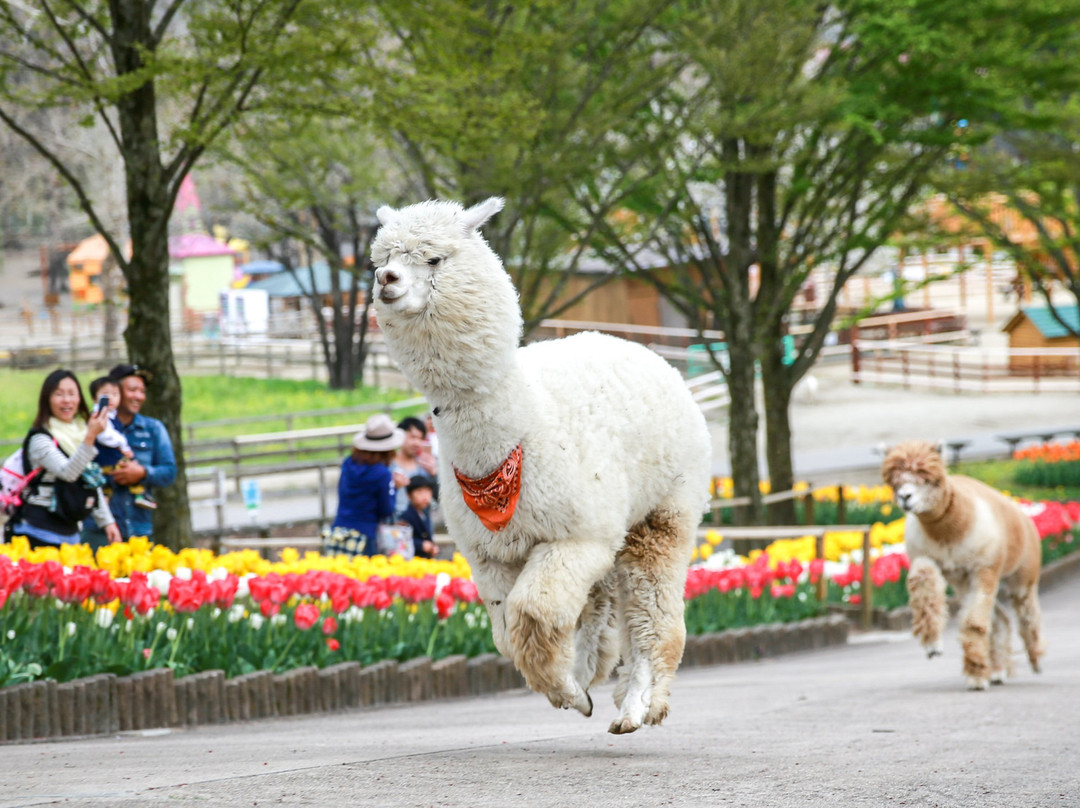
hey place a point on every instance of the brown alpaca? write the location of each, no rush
(983, 545)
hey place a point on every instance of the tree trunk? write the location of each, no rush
(775, 379)
(742, 440)
(148, 335)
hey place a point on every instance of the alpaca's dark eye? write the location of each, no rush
(434, 262)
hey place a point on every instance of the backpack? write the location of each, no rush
(72, 501)
(13, 479)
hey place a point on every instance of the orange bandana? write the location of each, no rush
(493, 498)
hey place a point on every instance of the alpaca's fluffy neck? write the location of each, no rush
(473, 379)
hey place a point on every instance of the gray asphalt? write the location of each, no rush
(872, 723)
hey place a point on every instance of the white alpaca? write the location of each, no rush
(586, 458)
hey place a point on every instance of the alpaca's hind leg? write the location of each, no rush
(1029, 616)
(929, 609)
(596, 641)
(542, 612)
(975, 619)
(1000, 646)
(652, 579)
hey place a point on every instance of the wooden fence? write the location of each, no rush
(194, 354)
(958, 369)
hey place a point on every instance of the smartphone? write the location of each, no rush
(102, 404)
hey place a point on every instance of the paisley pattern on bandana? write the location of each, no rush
(494, 497)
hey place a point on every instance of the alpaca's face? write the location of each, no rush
(404, 283)
(917, 475)
(915, 493)
(428, 252)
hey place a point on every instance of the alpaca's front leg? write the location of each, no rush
(929, 609)
(543, 610)
(975, 622)
(494, 580)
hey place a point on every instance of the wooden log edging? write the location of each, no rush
(106, 704)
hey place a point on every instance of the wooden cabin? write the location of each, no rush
(1036, 327)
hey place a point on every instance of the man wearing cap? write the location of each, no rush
(154, 464)
(366, 486)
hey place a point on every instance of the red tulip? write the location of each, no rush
(332, 644)
(268, 608)
(185, 596)
(329, 625)
(444, 605)
(306, 615)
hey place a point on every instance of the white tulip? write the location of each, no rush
(442, 580)
(183, 573)
(104, 617)
(159, 579)
(71, 629)
(257, 621)
(170, 634)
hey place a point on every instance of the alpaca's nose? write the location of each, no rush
(386, 276)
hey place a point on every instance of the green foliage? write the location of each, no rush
(719, 611)
(1048, 475)
(1002, 475)
(45, 638)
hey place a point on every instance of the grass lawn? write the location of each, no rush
(208, 398)
(999, 474)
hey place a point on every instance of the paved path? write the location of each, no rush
(870, 724)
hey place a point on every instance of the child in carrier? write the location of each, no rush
(113, 448)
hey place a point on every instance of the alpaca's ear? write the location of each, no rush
(939, 447)
(475, 217)
(385, 214)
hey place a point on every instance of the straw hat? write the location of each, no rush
(379, 435)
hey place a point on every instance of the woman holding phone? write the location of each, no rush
(61, 443)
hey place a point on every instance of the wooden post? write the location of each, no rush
(323, 521)
(841, 506)
(236, 465)
(855, 354)
(808, 508)
(867, 585)
(963, 276)
(219, 510)
(221, 356)
(819, 553)
(926, 275)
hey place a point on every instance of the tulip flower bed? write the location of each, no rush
(755, 593)
(1049, 464)
(66, 613)
(65, 624)
(862, 504)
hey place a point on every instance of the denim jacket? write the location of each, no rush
(150, 442)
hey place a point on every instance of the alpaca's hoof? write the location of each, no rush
(934, 650)
(582, 702)
(997, 678)
(584, 705)
(1035, 666)
(622, 726)
(977, 683)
